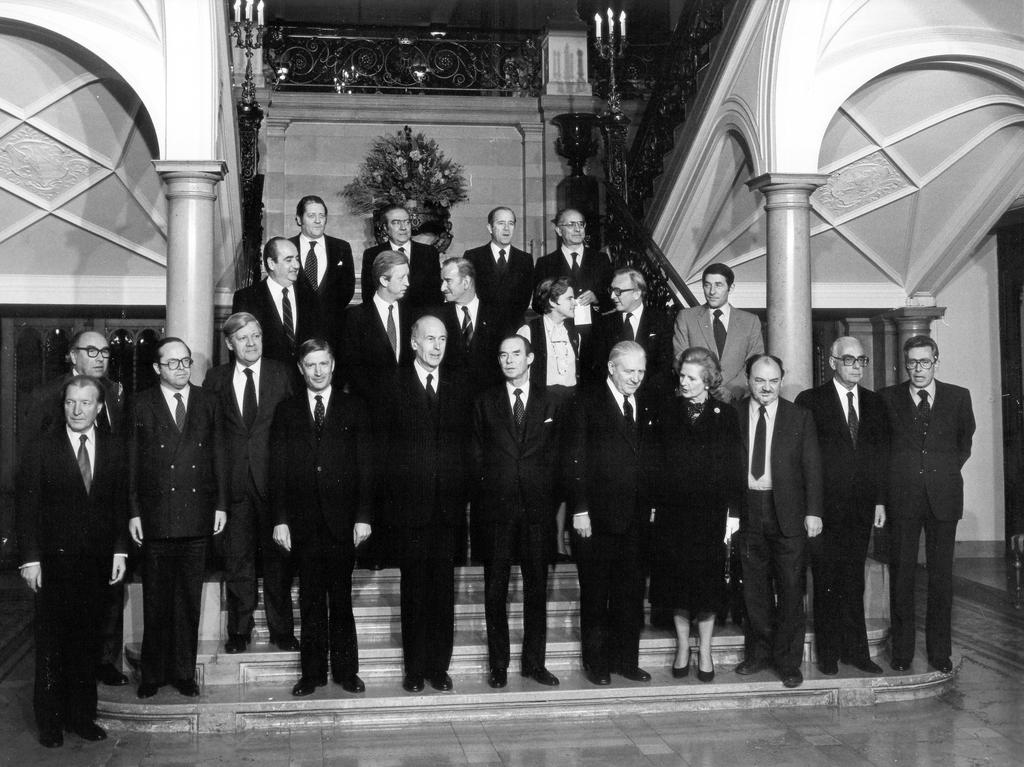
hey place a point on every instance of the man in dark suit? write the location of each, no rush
(733, 334)
(321, 493)
(589, 271)
(327, 267)
(424, 261)
(249, 389)
(286, 308)
(71, 501)
(178, 496)
(633, 320)
(783, 508)
(612, 447)
(474, 327)
(853, 436)
(425, 499)
(932, 431)
(504, 273)
(517, 455)
(89, 354)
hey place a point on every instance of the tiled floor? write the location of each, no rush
(980, 721)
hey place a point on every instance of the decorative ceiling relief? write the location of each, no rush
(859, 184)
(39, 164)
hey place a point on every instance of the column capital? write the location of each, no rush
(916, 318)
(213, 170)
(770, 183)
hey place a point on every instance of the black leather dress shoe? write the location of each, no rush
(944, 665)
(148, 689)
(353, 683)
(866, 665)
(286, 642)
(899, 664)
(307, 686)
(542, 676)
(236, 643)
(441, 682)
(187, 687)
(89, 731)
(498, 678)
(51, 738)
(828, 666)
(635, 674)
(600, 678)
(748, 667)
(791, 677)
(108, 675)
(412, 683)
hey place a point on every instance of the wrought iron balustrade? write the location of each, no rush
(467, 62)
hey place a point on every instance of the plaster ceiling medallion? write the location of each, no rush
(859, 184)
(38, 164)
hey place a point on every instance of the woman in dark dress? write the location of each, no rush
(701, 479)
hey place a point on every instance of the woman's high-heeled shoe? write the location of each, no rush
(706, 676)
(679, 673)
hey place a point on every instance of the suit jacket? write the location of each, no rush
(256, 300)
(45, 409)
(424, 274)
(611, 463)
(795, 465)
(595, 274)
(427, 453)
(55, 513)
(325, 482)
(368, 363)
(653, 332)
(693, 328)
(854, 477)
(338, 285)
(510, 293)
(939, 459)
(176, 480)
(477, 365)
(248, 450)
(517, 478)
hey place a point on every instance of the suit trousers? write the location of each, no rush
(278, 569)
(939, 541)
(426, 559)
(325, 606)
(67, 635)
(112, 626)
(531, 545)
(837, 563)
(611, 599)
(237, 543)
(172, 590)
(774, 633)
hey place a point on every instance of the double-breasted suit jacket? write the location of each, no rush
(338, 285)
(424, 274)
(256, 300)
(595, 274)
(694, 328)
(508, 292)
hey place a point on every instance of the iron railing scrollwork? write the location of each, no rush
(395, 61)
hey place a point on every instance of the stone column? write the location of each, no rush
(788, 205)
(912, 321)
(533, 228)
(191, 193)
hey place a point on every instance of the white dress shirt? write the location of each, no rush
(277, 294)
(238, 381)
(321, 256)
(382, 312)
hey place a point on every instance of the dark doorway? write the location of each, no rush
(1010, 253)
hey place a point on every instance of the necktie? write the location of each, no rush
(83, 462)
(289, 323)
(851, 418)
(401, 249)
(392, 330)
(627, 412)
(575, 268)
(310, 268)
(179, 413)
(467, 327)
(627, 328)
(519, 412)
(502, 261)
(431, 392)
(719, 331)
(760, 436)
(318, 415)
(249, 400)
(924, 409)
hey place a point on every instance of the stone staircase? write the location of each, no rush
(252, 690)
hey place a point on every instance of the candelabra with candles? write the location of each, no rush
(614, 123)
(248, 36)
(611, 50)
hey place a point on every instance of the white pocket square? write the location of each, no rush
(548, 420)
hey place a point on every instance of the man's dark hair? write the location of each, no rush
(494, 212)
(921, 342)
(309, 199)
(526, 342)
(272, 250)
(164, 342)
(753, 359)
(314, 344)
(719, 269)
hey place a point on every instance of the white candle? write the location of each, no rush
(611, 26)
(597, 24)
(622, 24)
(238, 10)
(248, 10)
(259, 13)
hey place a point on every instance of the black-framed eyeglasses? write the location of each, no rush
(94, 352)
(184, 362)
(849, 360)
(619, 291)
(919, 364)
(573, 224)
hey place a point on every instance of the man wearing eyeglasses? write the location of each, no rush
(932, 429)
(178, 497)
(89, 355)
(424, 262)
(589, 271)
(853, 435)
